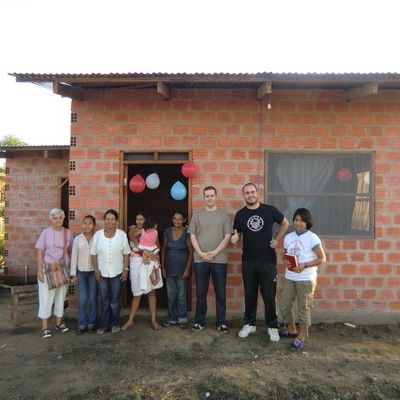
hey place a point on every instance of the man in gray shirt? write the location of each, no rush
(210, 232)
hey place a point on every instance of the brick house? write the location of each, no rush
(329, 142)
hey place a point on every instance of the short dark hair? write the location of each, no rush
(113, 212)
(209, 188)
(149, 222)
(90, 217)
(305, 215)
(249, 184)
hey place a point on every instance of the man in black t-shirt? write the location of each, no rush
(254, 222)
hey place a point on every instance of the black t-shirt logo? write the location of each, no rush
(255, 223)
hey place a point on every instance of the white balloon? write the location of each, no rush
(153, 181)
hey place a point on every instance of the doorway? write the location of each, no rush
(157, 202)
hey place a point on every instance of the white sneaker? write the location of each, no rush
(246, 330)
(273, 334)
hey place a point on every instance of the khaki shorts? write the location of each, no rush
(304, 293)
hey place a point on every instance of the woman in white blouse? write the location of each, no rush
(110, 259)
(82, 276)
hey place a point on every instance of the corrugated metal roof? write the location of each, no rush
(213, 80)
(32, 148)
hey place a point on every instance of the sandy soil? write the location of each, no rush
(339, 362)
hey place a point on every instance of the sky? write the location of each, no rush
(177, 36)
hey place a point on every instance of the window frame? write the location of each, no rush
(336, 153)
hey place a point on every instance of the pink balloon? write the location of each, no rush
(137, 184)
(188, 169)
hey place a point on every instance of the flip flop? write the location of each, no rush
(156, 326)
(116, 329)
(125, 326)
(101, 331)
(184, 325)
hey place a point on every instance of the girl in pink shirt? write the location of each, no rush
(150, 246)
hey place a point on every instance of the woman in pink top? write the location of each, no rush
(82, 275)
(54, 242)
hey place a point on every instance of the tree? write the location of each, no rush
(11, 140)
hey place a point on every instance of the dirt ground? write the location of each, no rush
(339, 362)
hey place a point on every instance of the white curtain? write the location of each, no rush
(302, 174)
(360, 219)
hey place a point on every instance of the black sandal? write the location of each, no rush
(286, 334)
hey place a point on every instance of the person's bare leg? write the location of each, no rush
(153, 309)
(303, 331)
(58, 321)
(134, 307)
(45, 324)
(292, 327)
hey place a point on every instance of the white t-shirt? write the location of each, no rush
(110, 252)
(302, 245)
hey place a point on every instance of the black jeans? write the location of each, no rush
(260, 275)
(217, 271)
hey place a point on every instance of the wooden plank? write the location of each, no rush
(67, 91)
(264, 89)
(24, 288)
(16, 293)
(362, 91)
(164, 90)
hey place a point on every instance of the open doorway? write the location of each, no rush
(157, 202)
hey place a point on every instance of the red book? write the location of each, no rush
(293, 261)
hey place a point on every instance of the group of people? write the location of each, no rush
(101, 260)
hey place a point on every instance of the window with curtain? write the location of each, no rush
(335, 187)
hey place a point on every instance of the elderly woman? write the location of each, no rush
(54, 243)
(110, 260)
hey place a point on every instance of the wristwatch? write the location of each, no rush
(305, 265)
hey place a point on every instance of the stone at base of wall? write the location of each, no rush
(356, 317)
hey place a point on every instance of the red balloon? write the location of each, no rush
(344, 175)
(137, 184)
(188, 169)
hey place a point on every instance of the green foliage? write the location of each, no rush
(11, 140)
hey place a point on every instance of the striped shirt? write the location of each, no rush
(80, 257)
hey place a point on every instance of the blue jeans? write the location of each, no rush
(217, 271)
(259, 275)
(177, 304)
(87, 293)
(110, 297)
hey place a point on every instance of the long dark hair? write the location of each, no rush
(305, 215)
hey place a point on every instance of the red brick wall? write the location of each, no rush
(33, 191)
(222, 128)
